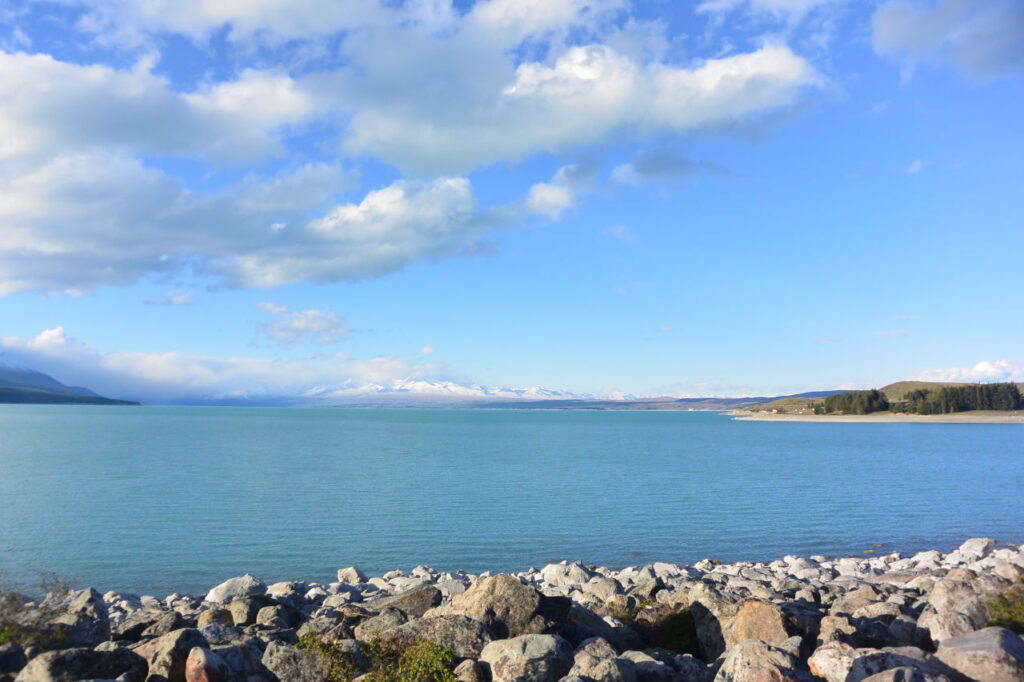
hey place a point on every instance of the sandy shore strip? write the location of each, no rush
(956, 418)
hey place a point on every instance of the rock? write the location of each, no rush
(960, 596)
(975, 548)
(870, 662)
(84, 664)
(244, 610)
(596, 659)
(463, 635)
(905, 674)
(836, 629)
(203, 665)
(218, 634)
(167, 623)
(86, 619)
(351, 576)
(242, 586)
(387, 619)
(713, 615)
(215, 615)
(647, 668)
(941, 626)
(832, 661)
(141, 620)
(12, 658)
(244, 660)
(505, 605)
(755, 661)
(276, 616)
(471, 671)
(760, 620)
(414, 602)
(289, 664)
(989, 655)
(166, 655)
(528, 658)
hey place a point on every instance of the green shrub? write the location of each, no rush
(390, 660)
(418, 661)
(342, 667)
(31, 624)
(1006, 608)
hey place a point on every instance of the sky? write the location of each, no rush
(208, 198)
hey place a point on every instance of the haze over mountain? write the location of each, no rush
(24, 385)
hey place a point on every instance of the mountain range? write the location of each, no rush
(23, 385)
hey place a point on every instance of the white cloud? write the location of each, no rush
(175, 377)
(173, 297)
(88, 220)
(549, 199)
(916, 167)
(88, 198)
(427, 350)
(587, 95)
(979, 38)
(49, 107)
(48, 338)
(1000, 370)
(291, 328)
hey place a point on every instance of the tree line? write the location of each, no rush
(940, 400)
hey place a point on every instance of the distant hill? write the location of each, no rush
(893, 393)
(22, 385)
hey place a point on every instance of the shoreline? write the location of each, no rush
(954, 418)
(838, 619)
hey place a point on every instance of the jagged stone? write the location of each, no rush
(989, 655)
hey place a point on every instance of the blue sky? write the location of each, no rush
(202, 199)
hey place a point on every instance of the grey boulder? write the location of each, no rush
(528, 658)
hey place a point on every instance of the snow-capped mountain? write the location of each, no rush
(419, 390)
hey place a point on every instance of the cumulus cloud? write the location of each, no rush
(89, 198)
(999, 370)
(178, 377)
(978, 38)
(289, 328)
(427, 350)
(49, 107)
(586, 95)
(82, 221)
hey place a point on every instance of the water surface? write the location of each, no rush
(163, 499)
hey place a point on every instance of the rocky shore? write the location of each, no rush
(880, 618)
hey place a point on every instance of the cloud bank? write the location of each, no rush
(91, 187)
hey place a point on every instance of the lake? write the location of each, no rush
(162, 499)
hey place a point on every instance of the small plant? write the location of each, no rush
(391, 660)
(418, 661)
(31, 624)
(627, 614)
(342, 667)
(1006, 608)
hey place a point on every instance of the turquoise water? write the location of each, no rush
(163, 499)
